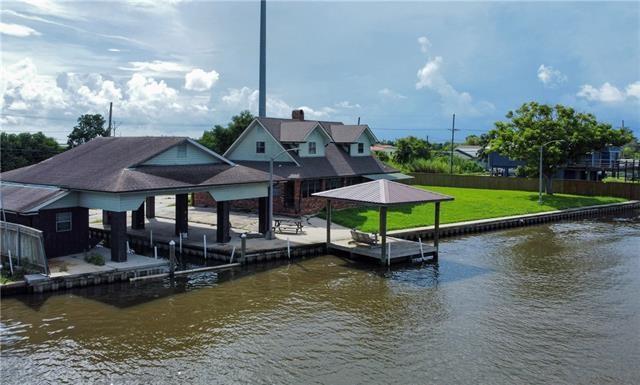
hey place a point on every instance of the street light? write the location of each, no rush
(540, 169)
(270, 230)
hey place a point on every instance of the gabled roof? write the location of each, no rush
(274, 125)
(342, 133)
(110, 165)
(25, 199)
(336, 163)
(383, 193)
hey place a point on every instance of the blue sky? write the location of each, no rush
(178, 67)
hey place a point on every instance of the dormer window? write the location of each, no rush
(260, 147)
(312, 148)
(360, 148)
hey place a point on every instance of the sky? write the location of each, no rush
(175, 67)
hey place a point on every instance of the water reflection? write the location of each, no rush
(553, 303)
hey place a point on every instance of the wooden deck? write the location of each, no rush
(401, 249)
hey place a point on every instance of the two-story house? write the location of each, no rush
(309, 156)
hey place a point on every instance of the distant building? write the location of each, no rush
(471, 153)
(388, 149)
(593, 166)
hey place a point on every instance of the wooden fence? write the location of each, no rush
(577, 187)
(25, 245)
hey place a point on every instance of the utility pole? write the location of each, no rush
(453, 130)
(262, 102)
(110, 112)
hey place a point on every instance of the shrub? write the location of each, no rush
(94, 259)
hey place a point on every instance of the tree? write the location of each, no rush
(533, 125)
(220, 138)
(89, 126)
(24, 149)
(472, 140)
(410, 148)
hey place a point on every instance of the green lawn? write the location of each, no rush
(469, 204)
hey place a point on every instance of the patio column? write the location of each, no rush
(222, 226)
(118, 242)
(137, 218)
(151, 207)
(436, 230)
(328, 222)
(106, 218)
(383, 234)
(263, 215)
(182, 214)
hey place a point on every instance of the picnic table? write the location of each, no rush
(287, 224)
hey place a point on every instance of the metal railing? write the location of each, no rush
(25, 246)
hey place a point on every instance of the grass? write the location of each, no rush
(469, 204)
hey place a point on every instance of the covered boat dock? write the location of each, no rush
(384, 194)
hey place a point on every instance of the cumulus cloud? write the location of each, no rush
(22, 85)
(608, 93)
(155, 67)
(17, 30)
(424, 44)
(550, 76)
(452, 100)
(246, 98)
(199, 80)
(390, 94)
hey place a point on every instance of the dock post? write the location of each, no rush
(180, 248)
(204, 241)
(288, 248)
(383, 234)
(243, 247)
(233, 252)
(172, 258)
(436, 231)
(155, 252)
(389, 254)
(10, 262)
(151, 238)
(328, 223)
(421, 249)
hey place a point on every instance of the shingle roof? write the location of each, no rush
(383, 193)
(274, 126)
(296, 131)
(342, 133)
(107, 164)
(335, 163)
(24, 199)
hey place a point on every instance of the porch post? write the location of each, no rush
(106, 218)
(151, 207)
(182, 214)
(118, 242)
(137, 218)
(222, 226)
(383, 234)
(263, 215)
(436, 230)
(328, 222)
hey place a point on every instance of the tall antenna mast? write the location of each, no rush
(262, 102)
(110, 112)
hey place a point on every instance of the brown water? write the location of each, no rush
(557, 303)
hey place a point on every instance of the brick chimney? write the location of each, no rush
(297, 114)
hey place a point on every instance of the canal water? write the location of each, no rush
(556, 303)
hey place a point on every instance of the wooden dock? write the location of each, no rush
(401, 250)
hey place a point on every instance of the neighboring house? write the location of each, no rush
(387, 149)
(120, 174)
(593, 166)
(500, 165)
(328, 155)
(471, 153)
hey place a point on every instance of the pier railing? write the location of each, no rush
(25, 246)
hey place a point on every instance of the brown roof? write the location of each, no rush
(24, 199)
(383, 193)
(108, 164)
(295, 132)
(275, 125)
(335, 163)
(342, 133)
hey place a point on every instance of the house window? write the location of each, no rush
(312, 148)
(360, 148)
(182, 151)
(259, 147)
(310, 187)
(335, 183)
(63, 222)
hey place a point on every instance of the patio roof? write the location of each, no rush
(383, 193)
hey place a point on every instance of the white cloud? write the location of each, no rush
(148, 95)
(390, 94)
(21, 84)
(17, 30)
(347, 105)
(55, 8)
(113, 50)
(199, 80)
(452, 100)
(155, 67)
(550, 76)
(608, 93)
(424, 44)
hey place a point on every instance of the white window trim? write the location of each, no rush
(315, 148)
(70, 222)
(264, 147)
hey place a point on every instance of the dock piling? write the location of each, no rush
(155, 252)
(172, 258)
(288, 248)
(421, 249)
(243, 246)
(233, 252)
(204, 243)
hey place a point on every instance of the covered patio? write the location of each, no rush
(384, 194)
